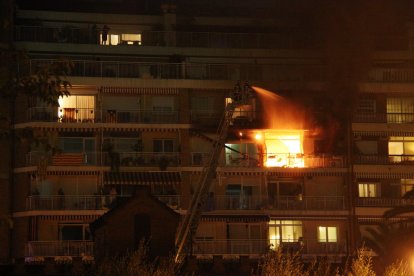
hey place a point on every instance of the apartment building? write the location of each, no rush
(149, 87)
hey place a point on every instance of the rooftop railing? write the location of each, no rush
(59, 248)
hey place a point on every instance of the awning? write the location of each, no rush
(139, 90)
(235, 218)
(142, 178)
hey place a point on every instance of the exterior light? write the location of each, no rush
(241, 134)
(258, 136)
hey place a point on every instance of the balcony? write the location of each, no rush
(168, 38)
(276, 203)
(260, 247)
(190, 71)
(59, 248)
(91, 115)
(384, 159)
(383, 202)
(149, 159)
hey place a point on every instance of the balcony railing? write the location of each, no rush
(277, 203)
(307, 202)
(34, 158)
(384, 160)
(259, 247)
(168, 38)
(86, 202)
(284, 160)
(192, 71)
(391, 75)
(133, 159)
(91, 115)
(390, 118)
(59, 248)
(68, 202)
(383, 202)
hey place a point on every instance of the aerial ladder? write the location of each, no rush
(241, 95)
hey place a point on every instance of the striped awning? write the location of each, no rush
(385, 175)
(139, 90)
(142, 178)
(387, 133)
(235, 218)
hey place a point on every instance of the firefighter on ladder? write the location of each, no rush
(241, 93)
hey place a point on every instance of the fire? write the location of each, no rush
(281, 148)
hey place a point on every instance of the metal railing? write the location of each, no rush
(34, 158)
(67, 202)
(306, 202)
(261, 246)
(246, 202)
(384, 159)
(391, 118)
(91, 115)
(86, 202)
(59, 248)
(185, 70)
(170, 38)
(283, 160)
(391, 75)
(383, 202)
(133, 159)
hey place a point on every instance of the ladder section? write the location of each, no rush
(241, 95)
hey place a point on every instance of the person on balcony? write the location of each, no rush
(105, 31)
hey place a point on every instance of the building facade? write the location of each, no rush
(149, 88)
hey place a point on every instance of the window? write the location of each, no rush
(77, 144)
(368, 190)
(76, 108)
(113, 39)
(407, 185)
(401, 149)
(282, 231)
(131, 39)
(163, 145)
(400, 110)
(327, 234)
(74, 232)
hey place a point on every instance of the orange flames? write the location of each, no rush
(282, 141)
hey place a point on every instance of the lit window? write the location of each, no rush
(368, 189)
(131, 39)
(282, 231)
(400, 110)
(113, 39)
(401, 149)
(76, 108)
(327, 234)
(407, 185)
